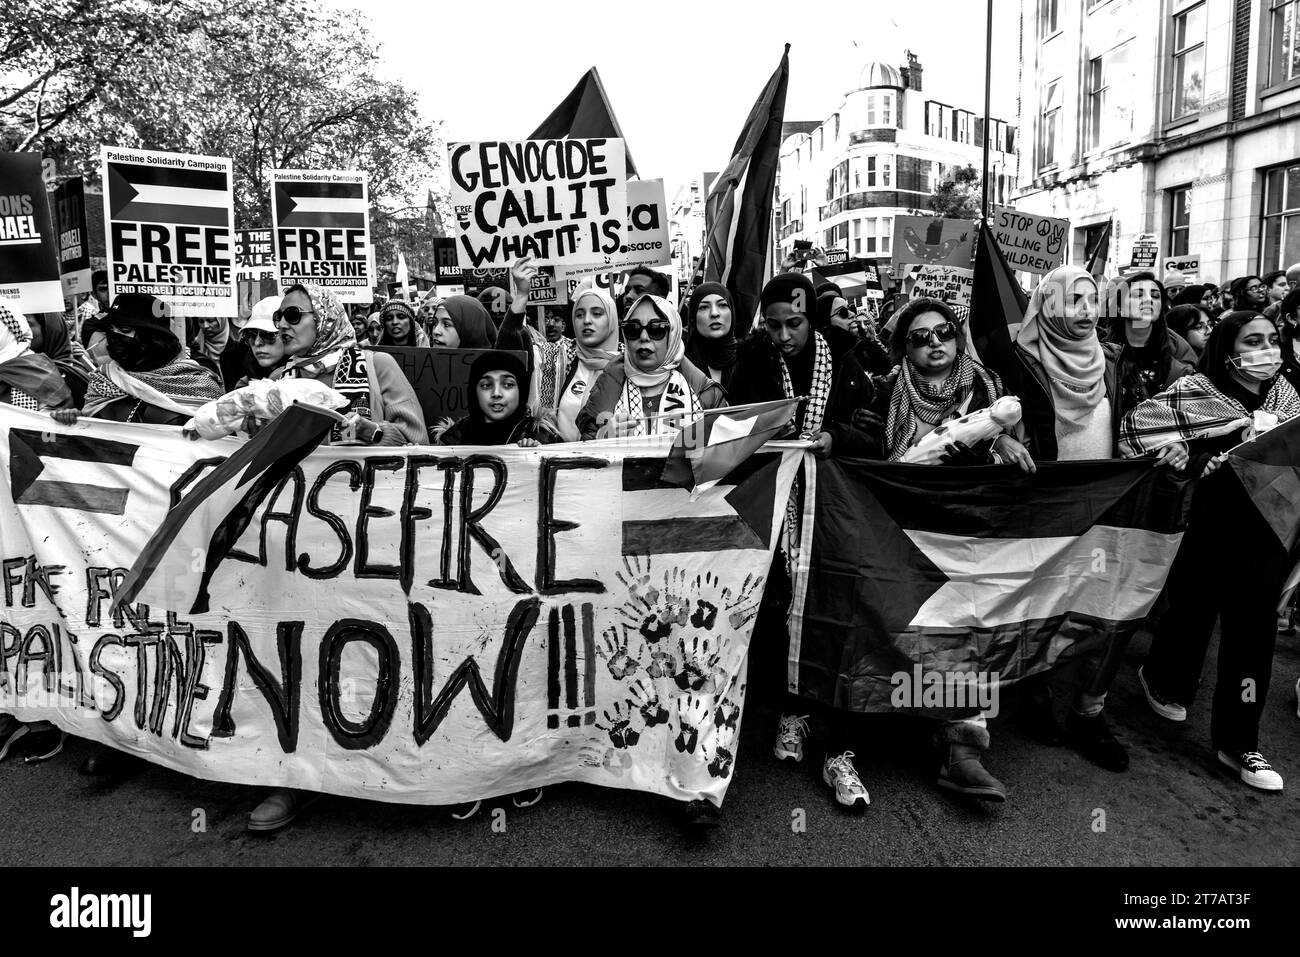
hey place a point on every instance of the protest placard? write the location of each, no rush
(29, 265)
(647, 241)
(1189, 266)
(950, 284)
(559, 201)
(611, 283)
(322, 231)
(836, 256)
(1029, 242)
(74, 240)
(857, 278)
(254, 268)
(445, 264)
(933, 241)
(440, 378)
(417, 625)
(476, 280)
(545, 290)
(169, 224)
(1146, 250)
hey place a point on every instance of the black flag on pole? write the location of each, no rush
(585, 113)
(738, 212)
(997, 301)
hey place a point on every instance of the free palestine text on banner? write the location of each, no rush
(559, 201)
(29, 269)
(322, 231)
(419, 625)
(169, 225)
(977, 571)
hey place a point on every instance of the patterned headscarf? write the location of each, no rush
(676, 348)
(415, 336)
(15, 335)
(334, 333)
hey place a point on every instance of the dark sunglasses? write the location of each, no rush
(260, 337)
(655, 330)
(292, 315)
(944, 332)
(841, 313)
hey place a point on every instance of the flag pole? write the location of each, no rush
(988, 86)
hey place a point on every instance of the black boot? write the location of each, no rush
(1092, 738)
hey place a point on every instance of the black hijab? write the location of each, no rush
(476, 428)
(1143, 369)
(703, 352)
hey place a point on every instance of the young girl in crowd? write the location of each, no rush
(265, 345)
(1196, 422)
(644, 392)
(499, 411)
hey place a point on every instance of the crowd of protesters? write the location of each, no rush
(1134, 367)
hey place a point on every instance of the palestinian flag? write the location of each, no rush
(997, 302)
(738, 211)
(1100, 253)
(209, 519)
(584, 114)
(711, 447)
(981, 570)
(1269, 468)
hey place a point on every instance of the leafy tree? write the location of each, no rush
(959, 197)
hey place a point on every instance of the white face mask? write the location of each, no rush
(1260, 364)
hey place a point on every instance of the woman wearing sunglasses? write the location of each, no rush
(847, 329)
(637, 394)
(320, 344)
(938, 381)
(264, 342)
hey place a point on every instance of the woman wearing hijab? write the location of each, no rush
(711, 342)
(499, 412)
(563, 372)
(1068, 385)
(217, 343)
(1195, 423)
(846, 330)
(401, 325)
(653, 376)
(148, 376)
(320, 344)
(461, 322)
(1151, 357)
(426, 313)
(1065, 378)
(50, 338)
(374, 331)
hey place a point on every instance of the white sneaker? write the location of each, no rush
(1254, 770)
(1161, 706)
(843, 779)
(789, 737)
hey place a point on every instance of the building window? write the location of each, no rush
(886, 170)
(1280, 238)
(1189, 61)
(871, 109)
(857, 237)
(1284, 63)
(1048, 11)
(869, 226)
(886, 229)
(1050, 121)
(1110, 110)
(836, 118)
(886, 109)
(1180, 220)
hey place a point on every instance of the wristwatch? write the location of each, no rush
(378, 435)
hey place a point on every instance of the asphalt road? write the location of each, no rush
(1175, 806)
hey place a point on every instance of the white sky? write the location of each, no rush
(681, 74)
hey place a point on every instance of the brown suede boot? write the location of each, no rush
(962, 772)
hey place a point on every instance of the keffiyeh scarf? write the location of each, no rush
(821, 387)
(915, 399)
(678, 406)
(182, 386)
(1194, 408)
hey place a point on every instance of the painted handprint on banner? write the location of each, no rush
(618, 724)
(692, 711)
(647, 702)
(742, 607)
(698, 665)
(614, 650)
